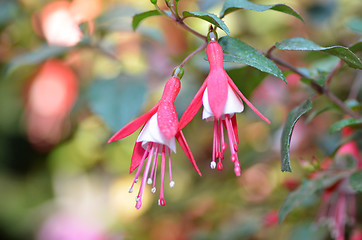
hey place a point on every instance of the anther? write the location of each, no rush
(219, 166)
(130, 190)
(236, 148)
(153, 190)
(172, 184)
(224, 146)
(213, 165)
(233, 158)
(149, 181)
(162, 202)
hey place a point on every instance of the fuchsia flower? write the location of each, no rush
(339, 200)
(220, 98)
(157, 137)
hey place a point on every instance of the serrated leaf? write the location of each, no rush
(247, 79)
(37, 56)
(233, 5)
(355, 180)
(344, 123)
(209, 17)
(239, 52)
(117, 101)
(302, 44)
(292, 119)
(138, 18)
(306, 189)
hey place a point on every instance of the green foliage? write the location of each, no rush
(247, 79)
(319, 111)
(355, 180)
(239, 52)
(8, 11)
(305, 191)
(138, 18)
(302, 44)
(209, 17)
(233, 5)
(39, 55)
(117, 101)
(344, 123)
(355, 24)
(292, 119)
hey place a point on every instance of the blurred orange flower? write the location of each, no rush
(58, 21)
(49, 98)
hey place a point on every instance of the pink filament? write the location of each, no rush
(144, 178)
(162, 199)
(141, 165)
(169, 163)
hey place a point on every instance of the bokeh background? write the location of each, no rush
(63, 93)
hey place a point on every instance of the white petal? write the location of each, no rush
(233, 105)
(60, 29)
(152, 133)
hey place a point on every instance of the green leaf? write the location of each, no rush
(37, 56)
(357, 47)
(306, 190)
(355, 180)
(117, 101)
(246, 78)
(209, 17)
(233, 5)
(302, 44)
(292, 119)
(8, 11)
(239, 52)
(315, 113)
(138, 18)
(344, 123)
(308, 231)
(355, 24)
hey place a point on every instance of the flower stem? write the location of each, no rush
(191, 55)
(322, 90)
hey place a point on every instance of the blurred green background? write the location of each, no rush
(57, 174)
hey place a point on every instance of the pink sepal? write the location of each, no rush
(235, 128)
(167, 119)
(182, 141)
(134, 125)
(217, 89)
(138, 152)
(193, 108)
(236, 89)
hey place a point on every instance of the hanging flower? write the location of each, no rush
(158, 137)
(338, 205)
(221, 100)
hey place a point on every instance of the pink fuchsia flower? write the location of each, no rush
(221, 100)
(158, 137)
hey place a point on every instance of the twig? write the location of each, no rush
(334, 71)
(191, 55)
(356, 86)
(319, 89)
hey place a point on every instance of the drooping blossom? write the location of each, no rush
(221, 100)
(58, 21)
(50, 96)
(158, 137)
(339, 200)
